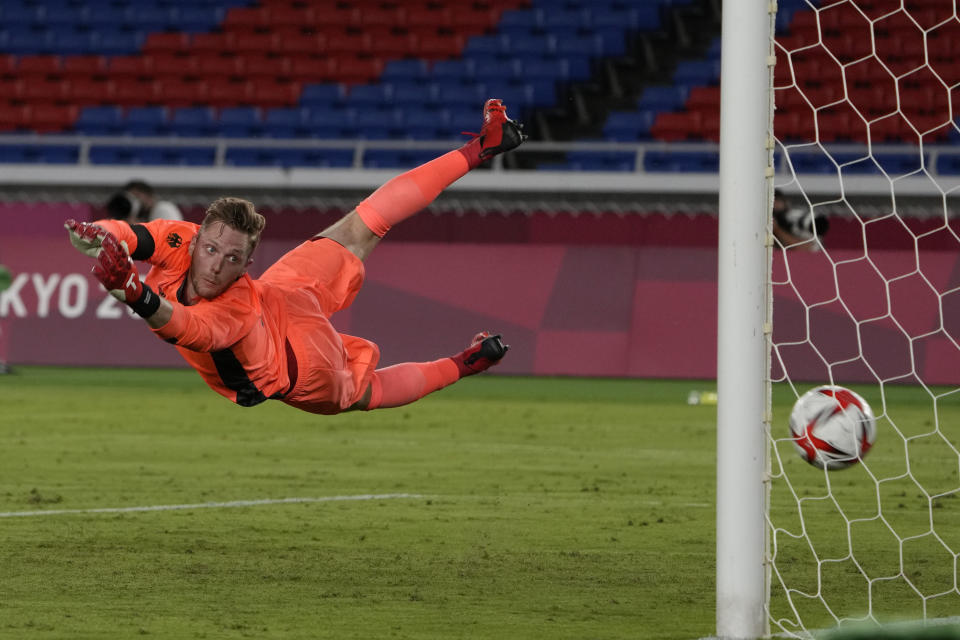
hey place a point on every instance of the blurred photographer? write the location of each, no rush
(136, 202)
(795, 227)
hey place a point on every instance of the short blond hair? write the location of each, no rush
(238, 214)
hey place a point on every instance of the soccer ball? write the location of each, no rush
(832, 427)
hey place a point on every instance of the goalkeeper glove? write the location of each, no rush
(86, 237)
(117, 273)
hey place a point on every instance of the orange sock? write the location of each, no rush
(403, 383)
(408, 193)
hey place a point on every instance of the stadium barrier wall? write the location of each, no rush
(565, 309)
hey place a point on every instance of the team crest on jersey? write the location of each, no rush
(174, 240)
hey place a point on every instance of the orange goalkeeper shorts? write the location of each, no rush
(308, 285)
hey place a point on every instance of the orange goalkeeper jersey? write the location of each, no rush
(265, 338)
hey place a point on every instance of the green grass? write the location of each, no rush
(549, 508)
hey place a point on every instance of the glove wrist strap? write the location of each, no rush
(147, 304)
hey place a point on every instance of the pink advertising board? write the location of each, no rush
(565, 309)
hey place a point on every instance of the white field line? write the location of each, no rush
(208, 505)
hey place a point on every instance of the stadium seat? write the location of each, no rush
(239, 122)
(145, 121)
(193, 122)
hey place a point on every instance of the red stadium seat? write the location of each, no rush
(256, 66)
(12, 117)
(300, 44)
(245, 18)
(8, 64)
(346, 43)
(48, 118)
(434, 47)
(227, 93)
(272, 93)
(425, 19)
(283, 16)
(470, 20)
(357, 70)
(84, 66)
(309, 69)
(38, 90)
(392, 46)
(123, 68)
(378, 17)
(178, 92)
(257, 43)
(88, 91)
(11, 90)
(166, 64)
(219, 66)
(672, 127)
(136, 92)
(704, 98)
(213, 43)
(39, 66)
(167, 43)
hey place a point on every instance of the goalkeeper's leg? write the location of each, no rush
(403, 196)
(409, 381)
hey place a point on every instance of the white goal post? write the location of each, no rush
(865, 145)
(746, 151)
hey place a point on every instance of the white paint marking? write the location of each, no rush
(208, 505)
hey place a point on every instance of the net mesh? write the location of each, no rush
(864, 92)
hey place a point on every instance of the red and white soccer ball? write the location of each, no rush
(832, 427)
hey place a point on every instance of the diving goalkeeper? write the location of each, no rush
(271, 338)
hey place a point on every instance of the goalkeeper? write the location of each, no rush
(271, 338)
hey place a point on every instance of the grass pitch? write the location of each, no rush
(550, 508)
(544, 508)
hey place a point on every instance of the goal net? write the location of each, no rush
(866, 294)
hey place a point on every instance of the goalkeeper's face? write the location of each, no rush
(220, 255)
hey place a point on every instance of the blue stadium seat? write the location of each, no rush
(519, 20)
(413, 93)
(284, 122)
(145, 121)
(670, 98)
(578, 46)
(330, 122)
(483, 46)
(149, 17)
(198, 18)
(370, 95)
(39, 153)
(697, 72)
(376, 123)
(812, 163)
(948, 164)
(452, 70)
(239, 122)
(541, 45)
(396, 158)
(100, 121)
(495, 69)
(681, 161)
(193, 122)
(423, 123)
(454, 95)
(601, 161)
(329, 157)
(320, 95)
(404, 70)
(628, 126)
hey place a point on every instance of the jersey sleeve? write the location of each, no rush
(158, 242)
(215, 324)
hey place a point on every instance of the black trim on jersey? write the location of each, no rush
(145, 244)
(235, 378)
